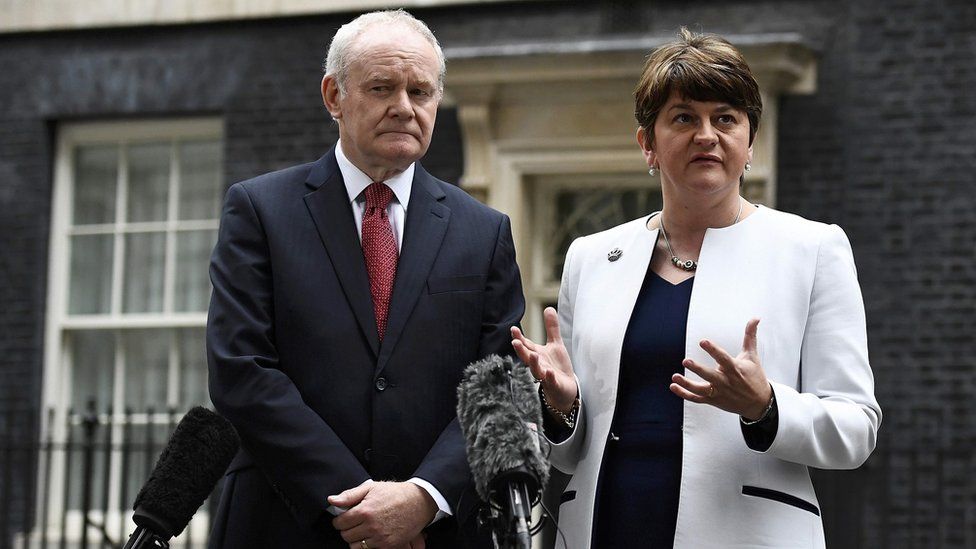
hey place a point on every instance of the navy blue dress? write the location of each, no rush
(637, 495)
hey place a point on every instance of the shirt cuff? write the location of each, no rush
(443, 509)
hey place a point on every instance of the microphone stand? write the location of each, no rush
(511, 509)
(144, 538)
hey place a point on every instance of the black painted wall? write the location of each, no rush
(886, 148)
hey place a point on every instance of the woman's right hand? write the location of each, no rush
(549, 363)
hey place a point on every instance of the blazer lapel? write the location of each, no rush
(329, 206)
(426, 224)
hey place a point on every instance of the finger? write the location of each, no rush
(531, 359)
(718, 353)
(354, 536)
(518, 335)
(686, 394)
(710, 375)
(750, 342)
(350, 497)
(537, 372)
(349, 521)
(552, 325)
(521, 350)
(698, 387)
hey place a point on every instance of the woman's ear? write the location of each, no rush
(646, 142)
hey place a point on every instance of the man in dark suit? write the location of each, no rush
(349, 295)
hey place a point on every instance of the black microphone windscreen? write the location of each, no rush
(500, 415)
(196, 456)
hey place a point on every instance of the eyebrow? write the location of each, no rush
(724, 107)
(371, 78)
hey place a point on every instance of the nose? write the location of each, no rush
(401, 106)
(705, 135)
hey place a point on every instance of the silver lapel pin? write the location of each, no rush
(614, 254)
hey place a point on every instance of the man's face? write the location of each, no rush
(386, 115)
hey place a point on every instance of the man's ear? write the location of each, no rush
(330, 96)
(646, 143)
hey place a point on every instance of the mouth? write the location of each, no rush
(702, 158)
(398, 132)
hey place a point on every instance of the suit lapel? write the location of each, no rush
(426, 224)
(329, 207)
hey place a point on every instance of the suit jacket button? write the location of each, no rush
(381, 384)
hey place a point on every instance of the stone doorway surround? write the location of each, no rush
(535, 111)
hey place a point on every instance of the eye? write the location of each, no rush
(682, 118)
(726, 119)
(379, 88)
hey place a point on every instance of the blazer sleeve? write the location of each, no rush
(832, 421)
(446, 464)
(565, 451)
(302, 457)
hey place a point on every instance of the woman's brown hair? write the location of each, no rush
(700, 67)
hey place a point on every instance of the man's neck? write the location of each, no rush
(375, 173)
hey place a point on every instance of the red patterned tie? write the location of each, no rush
(380, 251)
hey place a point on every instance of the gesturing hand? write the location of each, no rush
(384, 515)
(549, 363)
(737, 384)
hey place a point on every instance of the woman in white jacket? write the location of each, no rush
(683, 423)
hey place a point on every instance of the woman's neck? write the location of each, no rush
(690, 219)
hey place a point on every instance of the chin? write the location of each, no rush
(404, 153)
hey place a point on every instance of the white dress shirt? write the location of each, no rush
(356, 182)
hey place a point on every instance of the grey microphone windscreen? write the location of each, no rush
(500, 414)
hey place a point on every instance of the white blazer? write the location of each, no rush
(798, 277)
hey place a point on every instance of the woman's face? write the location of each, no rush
(698, 146)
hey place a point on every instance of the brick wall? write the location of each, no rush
(885, 148)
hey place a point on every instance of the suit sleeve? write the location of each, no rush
(302, 457)
(446, 465)
(832, 421)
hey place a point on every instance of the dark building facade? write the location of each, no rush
(884, 145)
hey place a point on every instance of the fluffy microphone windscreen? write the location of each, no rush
(500, 414)
(197, 454)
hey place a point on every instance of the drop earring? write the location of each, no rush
(748, 166)
(652, 172)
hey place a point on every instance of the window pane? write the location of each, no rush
(193, 369)
(200, 184)
(148, 182)
(146, 368)
(145, 256)
(96, 177)
(91, 274)
(93, 368)
(192, 279)
(580, 212)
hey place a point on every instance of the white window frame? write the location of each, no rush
(56, 388)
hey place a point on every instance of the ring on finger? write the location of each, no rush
(711, 390)
(363, 544)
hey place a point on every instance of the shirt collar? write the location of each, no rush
(356, 181)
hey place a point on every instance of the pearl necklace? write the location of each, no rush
(689, 264)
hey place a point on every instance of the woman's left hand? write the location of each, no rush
(737, 384)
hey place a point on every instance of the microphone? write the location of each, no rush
(197, 454)
(500, 414)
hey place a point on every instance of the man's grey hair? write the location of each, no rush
(341, 50)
